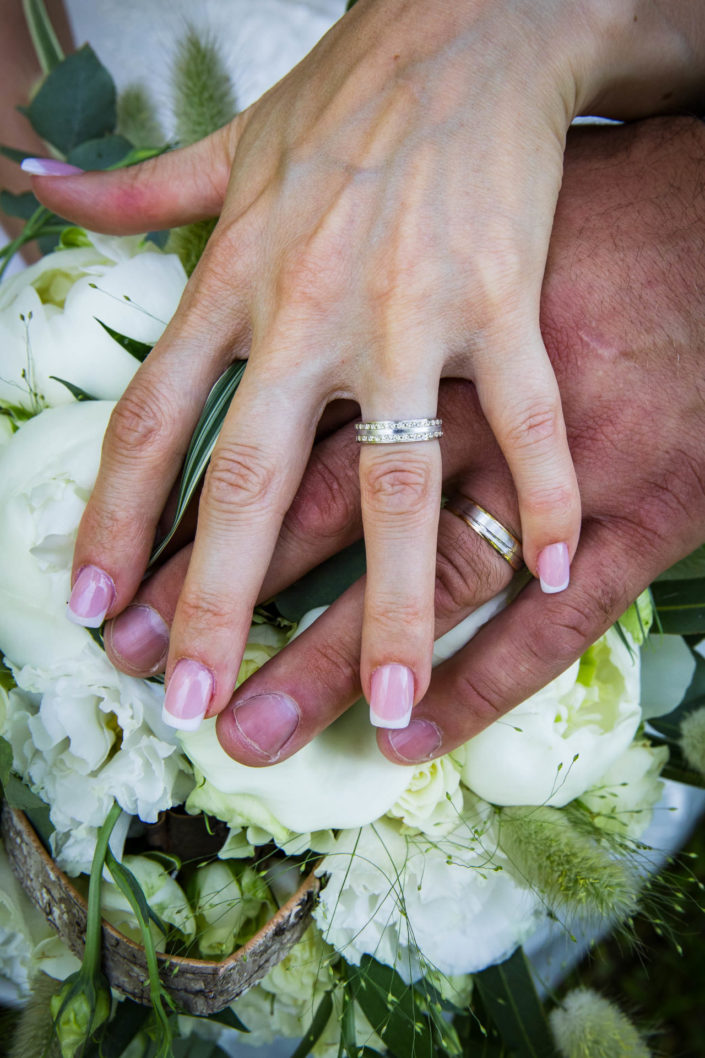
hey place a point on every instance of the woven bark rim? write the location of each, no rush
(199, 986)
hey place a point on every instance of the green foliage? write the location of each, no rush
(106, 152)
(76, 102)
(140, 350)
(76, 392)
(510, 999)
(202, 444)
(392, 1009)
(203, 94)
(688, 568)
(323, 584)
(313, 1033)
(137, 119)
(46, 44)
(189, 242)
(680, 606)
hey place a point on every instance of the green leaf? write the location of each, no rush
(46, 45)
(106, 152)
(392, 1008)
(23, 205)
(315, 1029)
(202, 444)
(14, 153)
(76, 102)
(21, 797)
(323, 584)
(510, 998)
(129, 1020)
(680, 606)
(689, 568)
(5, 761)
(75, 391)
(140, 350)
(229, 1017)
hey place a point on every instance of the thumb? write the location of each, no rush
(175, 188)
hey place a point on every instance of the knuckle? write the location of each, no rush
(139, 422)
(402, 487)
(334, 667)
(571, 625)
(558, 498)
(207, 611)
(535, 423)
(238, 478)
(399, 620)
(467, 574)
(327, 503)
(479, 697)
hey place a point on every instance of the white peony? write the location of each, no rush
(49, 314)
(415, 904)
(558, 743)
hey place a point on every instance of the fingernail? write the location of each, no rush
(417, 742)
(140, 637)
(91, 597)
(266, 722)
(188, 695)
(49, 167)
(553, 565)
(391, 696)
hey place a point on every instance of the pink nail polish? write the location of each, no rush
(392, 696)
(92, 596)
(266, 722)
(417, 742)
(554, 568)
(49, 167)
(140, 638)
(188, 695)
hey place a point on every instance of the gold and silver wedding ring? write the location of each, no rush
(399, 431)
(486, 526)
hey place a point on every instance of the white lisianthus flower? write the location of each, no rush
(6, 429)
(27, 942)
(47, 471)
(624, 799)
(433, 800)
(49, 314)
(416, 904)
(558, 743)
(163, 894)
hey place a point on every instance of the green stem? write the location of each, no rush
(91, 956)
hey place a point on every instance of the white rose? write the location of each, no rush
(47, 471)
(229, 900)
(559, 742)
(49, 314)
(163, 894)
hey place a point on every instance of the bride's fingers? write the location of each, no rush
(519, 396)
(317, 676)
(175, 188)
(530, 643)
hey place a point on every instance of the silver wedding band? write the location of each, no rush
(400, 431)
(486, 526)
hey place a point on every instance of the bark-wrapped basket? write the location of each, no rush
(198, 986)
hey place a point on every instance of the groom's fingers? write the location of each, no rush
(319, 671)
(178, 187)
(530, 643)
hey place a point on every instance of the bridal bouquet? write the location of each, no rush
(430, 877)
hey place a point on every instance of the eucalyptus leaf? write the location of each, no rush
(76, 102)
(392, 1008)
(75, 391)
(46, 44)
(680, 606)
(669, 725)
(323, 584)
(140, 350)
(21, 797)
(315, 1029)
(202, 444)
(23, 205)
(105, 152)
(511, 1001)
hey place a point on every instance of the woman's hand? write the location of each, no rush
(386, 211)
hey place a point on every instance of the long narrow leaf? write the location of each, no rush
(140, 350)
(202, 444)
(680, 605)
(46, 44)
(75, 391)
(392, 1009)
(315, 1030)
(510, 998)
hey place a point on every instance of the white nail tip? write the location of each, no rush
(181, 723)
(553, 589)
(390, 725)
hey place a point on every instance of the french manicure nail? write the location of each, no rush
(266, 722)
(140, 637)
(92, 596)
(49, 167)
(553, 565)
(391, 696)
(417, 742)
(188, 695)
